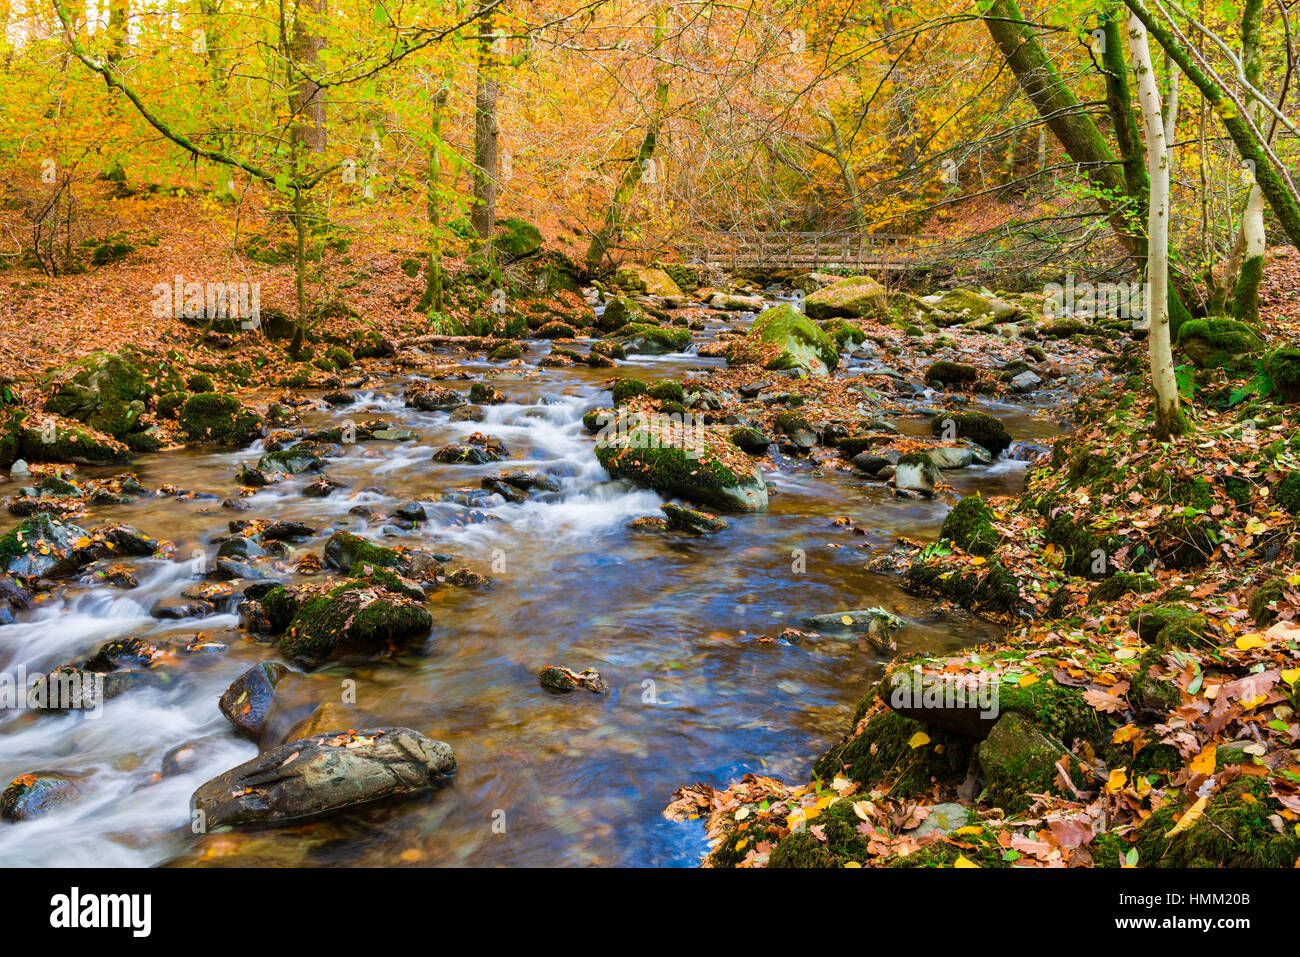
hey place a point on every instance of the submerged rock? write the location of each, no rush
(875, 624)
(324, 773)
(555, 678)
(691, 520)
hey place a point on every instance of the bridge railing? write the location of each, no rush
(813, 250)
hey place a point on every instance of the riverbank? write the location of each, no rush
(1142, 712)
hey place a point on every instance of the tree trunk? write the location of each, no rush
(486, 134)
(433, 269)
(613, 224)
(1278, 192)
(1251, 237)
(306, 99)
(1074, 129)
(1169, 419)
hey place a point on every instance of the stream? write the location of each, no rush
(672, 623)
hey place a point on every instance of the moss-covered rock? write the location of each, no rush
(103, 390)
(646, 279)
(211, 417)
(355, 617)
(1235, 830)
(625, 389)
(1018, 759)
(1273, 590)
(1120, 584)
(969, 526)
(696, 468)
(802, 344)
(979, 427)
(951, 373)
(1282, 366)
(351, 554)
(1218, 343)
(37, 544)
(648, 339)
(886, 753)
(516, 238)
(857, 298)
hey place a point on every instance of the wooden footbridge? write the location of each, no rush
(884, 252)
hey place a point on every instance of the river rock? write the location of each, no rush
(37, 545)
(1026, 381)
(324, 773)
(915, 472)
(103, 390)
(319, 623)
(247, 702)
(32, 795)
(950, 457)
(554, 678)
(692, 520)
(703, 467)
(875, 624)
(431, 397)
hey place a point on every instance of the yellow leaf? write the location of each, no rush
(845, 620)
(962, 861)
(1027, 680)
(1203, 763)
(1190, 817)
(917, 740)
(1252, 640)
(968, 829)
(1289, 675)
(1126, 733)
(977, 561)
(852, 864)
(1118, 778)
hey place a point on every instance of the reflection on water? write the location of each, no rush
(675, 626)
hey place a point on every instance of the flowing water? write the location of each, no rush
(673, 624)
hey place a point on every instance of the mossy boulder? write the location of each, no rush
(63, 440)
(351, 553)
(217, 419)
(648, 280)
(979, 427)
(803, 344)
(1273, 590)
(648, 339)
(1282, 366)
(1218, 343)
(857, 298)
(355, 617)
(1018, 759)
(516, 238)
(625, 389)
(104, 391)
(969, 526)
(885, 753)
(951, 373)
(1235, 830)
(698, 468)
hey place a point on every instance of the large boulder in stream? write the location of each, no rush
(216, 419)
(696, 463)
(784, 338)
(859, 297)
(324, 773)
(38, 544)
(647, 339)
(980, 427)
(318, 623)
(646, 279)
